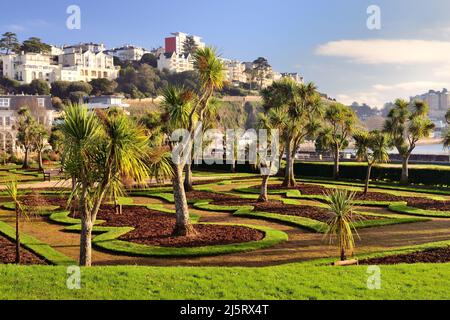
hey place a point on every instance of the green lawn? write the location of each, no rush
(296, 281)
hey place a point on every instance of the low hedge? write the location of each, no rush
(432, 176)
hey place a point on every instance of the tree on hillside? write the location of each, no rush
(9, 85)
(103, 86)
(262, 67)
(150, 59)
(9, 43)
(39, 87)
(26, 129)
(302, 105)
(189, 45)
(98, 152)
(60, 89)
(340, 123)
(35, 45)
(372, 147)
(406, 125)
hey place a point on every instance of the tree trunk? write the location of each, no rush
(17, 236)
(41, 165)
(343, 257)
(263, 195)
(336, 164)
(183, 225)
(86, 242)
(188, 184)
(405, 171)
(369, 171)
(25, 160)
(289, 179)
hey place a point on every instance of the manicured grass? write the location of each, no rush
(41, 249)
(404, 209)
(291, 282)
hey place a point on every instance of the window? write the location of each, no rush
(7, 121)
(4, 102)
(41, 102)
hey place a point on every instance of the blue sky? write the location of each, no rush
(326, 41)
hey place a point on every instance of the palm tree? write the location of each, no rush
(26, 131)
(272, 120)
(302, 105)
(12, 191)
(40, 137)
(372, 147)
(210, 71)
(406, 127)
(99, 150)
(341, 226)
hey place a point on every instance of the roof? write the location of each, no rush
(31, 101)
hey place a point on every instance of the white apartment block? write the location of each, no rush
(234, 71)
(437, 100)
(292, 75)
(88, 65)
(128, 53)
(176, 62)
(83, 62)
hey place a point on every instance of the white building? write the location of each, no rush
(234, 71)
(176, 62)
(106, 102)
(27, 67)
(292, 75)
(128, 53)
(437, 100)
(88, 64)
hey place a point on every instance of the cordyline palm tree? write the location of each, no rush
(272, 120)
(372, 147)
(99, 150)
(211, 73)
(406, 125)
(12, 191)
(40, 137)
(302, 104)
(341, 226)
(340, 122)
(189, 110)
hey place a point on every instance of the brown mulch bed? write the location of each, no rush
(423, 203)
(278, 207)
(155, 228)
(429, 204)
(441, 255)
(38, 200)
(8, 254)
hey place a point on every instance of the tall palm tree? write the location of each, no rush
(341, 226)
(211, 74)
(12, 191)
(372, 147)
(446, 140)
(99, 150)
(274, 119)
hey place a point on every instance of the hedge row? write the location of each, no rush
(432, 176)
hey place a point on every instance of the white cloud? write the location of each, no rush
(382, 51)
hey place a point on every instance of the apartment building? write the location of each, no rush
(175, 62)
(88, 64)
(26, 67)
(292, 75)
(437, 100)
(128, 53)
(82, 62)
(40, 107)
(234, 71)
(176, 42)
